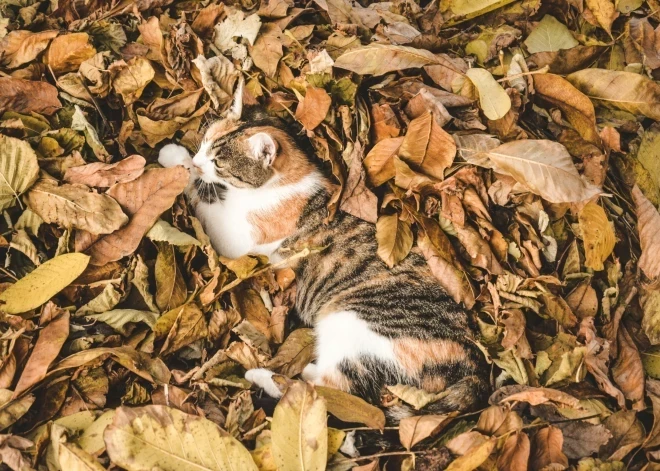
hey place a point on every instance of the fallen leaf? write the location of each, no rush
(549, 35)
(145, 438)
(144, 199)
(13, 409)
(648, 226)
(75, 206)
(427, 147)
(628, 371)
(546, 449)
(294, 354)
(598, 235)
(379, 162)
(68, 51)
(130, 78)
(474, 457)
(171, 289)
(619, 90)
(164, 232)
(418, 398)
(313, 108)
(118, 318)
(300, 437)
(377, 59)
(18, 169)
(267, 49)
(351, 408)
(218, 77)
(26, 96)
(515, 453)
(43, 283)
(413, 430)
(21, 46)
(105, 175)
(493, 100)
(627, 434)
(545, 167)
(395, 239)
(604, 12)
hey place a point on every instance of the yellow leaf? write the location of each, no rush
(159, 437)
(474, 457)
(300, 437)
(550, 35)
(18, 169)
(493, 100)
(597, 234)
(43, 283)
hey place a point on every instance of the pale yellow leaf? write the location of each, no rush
(493, 100)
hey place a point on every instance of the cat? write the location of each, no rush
(256, 190)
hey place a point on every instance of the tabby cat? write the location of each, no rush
(256, 191)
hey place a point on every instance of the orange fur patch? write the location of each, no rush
(413, 354)
(278, 223)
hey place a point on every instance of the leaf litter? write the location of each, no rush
(514, 144)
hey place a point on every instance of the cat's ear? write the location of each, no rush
(263, 147)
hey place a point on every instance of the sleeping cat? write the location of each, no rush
(256, 191)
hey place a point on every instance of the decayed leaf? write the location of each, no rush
(130, 78)
(350, 408)
(144, 199)
(300, 437)
(21, 46)
(43, 283)
(294, 354)
(357, 199)
(164, 232)
(76, 206)
(267, 49)
(550, 35)
(105, 175)
(48, 346)
(25, 96)
(545, 167)
(377, 59)
(648, 227)
(493, 100)
(18, 169)
(418, 398)
(312, 110)
(12, 410)
(170, 286)
(427, 147)
(395, 239)
(80, 123)
(469, 145)
(598, 235)
(218, 77)
(236, 25)
(189, 326)
(515, 453)
(159, 437)
(619, 90)
(413, 430)
(627, 433)
(118, 318)
(628, 371)
(474, 457)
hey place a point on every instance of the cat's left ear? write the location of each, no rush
(263, 147)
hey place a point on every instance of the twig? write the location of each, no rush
(8, 273)
(96, 105)
(543, 70)
(379, 455)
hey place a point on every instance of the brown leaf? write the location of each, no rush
(267, 50)
(171, 289)
(583, 300)
(189, 326)
(648, 227)
(21, 46)
(427, 147)
(377, 59)
(604, 12)
(413, 430)
(206, 20)
(546, 449)
(25, 96)
(627, 434)
(294, 354)
(75, 206)
(559, 310)
(567, 61)
(478, 249)
(474, 457)
(598, 235)
(395, 239)
(144, 199)
(350, 408)
(312, 109)
(533, 396)
(619, 90)
(384, 123)
(48, 346)
(130, 78)
(68, 51)
(515, 453)
(498, 421)
(628, 371)
(379, 162)
(576, 106)
(439, 254)
(105, 175)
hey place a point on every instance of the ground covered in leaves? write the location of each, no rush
(515, 144)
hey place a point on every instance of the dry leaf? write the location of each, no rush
(377, 59)
(105, 175)
(395, 239)
(20, 47)
(427, 147)
(26, 96)
(379, 162)
(648, 227)
(75, 206)
(350, 408)
(312, 109)
(546, 449)
(598, 235)
(413, 430)
(144, 199)
(18, 169)
(67, 52)
(493, 100)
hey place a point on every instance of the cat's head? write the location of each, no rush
(248, 151)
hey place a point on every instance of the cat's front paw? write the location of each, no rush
(173, 154)
(263, 378)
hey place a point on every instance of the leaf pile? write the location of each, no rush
(515, 144)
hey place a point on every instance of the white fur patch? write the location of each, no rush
(263, 147)
(344, 336)
(173, 154)
(263, 378)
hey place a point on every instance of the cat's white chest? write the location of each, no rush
(228, 226)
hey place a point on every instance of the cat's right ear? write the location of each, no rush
(263, 147)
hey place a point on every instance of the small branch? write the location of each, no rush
(379, 455)
(543, 70)
(8, 273)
